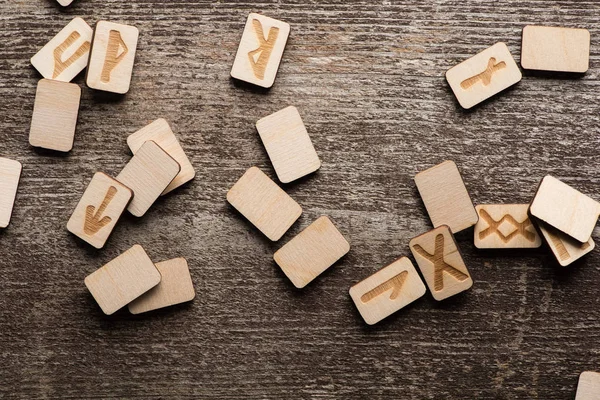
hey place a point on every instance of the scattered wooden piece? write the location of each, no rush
(566, 249)
(565, 208)
(260, 51)
(440, 263)
(387, 291)
(264, 204)
(99, 209)
(10, 173)
(55, 115)
(589, 386)
(66, 55)
(288, 144)
(483, 75)
(505, 226)
(446, 198)
(175, 287)
(112, 57)
(550, 48)
(311, 252)
(65, 3)
(123, 280)
(148, 174)
(160, 132)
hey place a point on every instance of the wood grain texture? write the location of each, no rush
(368, 77)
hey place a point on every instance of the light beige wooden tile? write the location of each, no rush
(311, 252)
(160, 132)
(387, 291)
(445, 196)
(505, 226)
(264, 204)
(260, 51)
(99, 209)
(440, 263)
(123, 279)
(589, 386)
(566, 249)
(483, 75)
(148, 174)
(175, 287)
(288, 144)
(65, 3)
(565, 208)
(66, 55)
(55, 115)
(10, 173)
(549, 48)
(112, 57)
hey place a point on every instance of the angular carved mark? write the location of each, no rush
(93, 223)
(521, 227)
(439, 264)
(59, 64)
(264, 50)
(395, 283)
(113, 57)
(486, 76)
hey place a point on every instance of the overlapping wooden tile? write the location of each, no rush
(160, 132)
(483, 75)
(550, 48)
(112, 57)
(260, 51)
(565, 208)
(387, 291)
(123, 279)
(589, 386)
(440, 262)
(99, 209)
(505, 226)
(288, 144)
(445, 196)
(566, 249)
(10, 173)
(55, 115)
(65, 55)
(311, 252)
(264, 204)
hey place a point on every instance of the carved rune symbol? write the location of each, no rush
(59, 64)
(93, 223)
(494, 227)
(116, 50)
(486, 76)
(264, 50)
(563, 253)
(395, 283)
(439, 264)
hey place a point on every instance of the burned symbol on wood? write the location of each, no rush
(263, 53)
(439, 264)
(520, 228)
(486, 76)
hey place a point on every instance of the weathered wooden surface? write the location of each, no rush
(368, 79)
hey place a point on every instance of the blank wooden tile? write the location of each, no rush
(566, 249)
(483, 75)
(549, 48)
(440, 263)
(65, 3)
(66, 55)
(99, 209)
(123, 280)
(288, 144)
(311, 252)
(175, 287)
(160, 132)
(589, 386)
(565, 208)
(387, 291)
(55, 115)
(445, 196)
(505, 226)
(10, 173)
(260, 51)
(148, 174)
(264, 204)
(112, 57)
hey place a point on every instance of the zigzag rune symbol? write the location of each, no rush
(494, 225)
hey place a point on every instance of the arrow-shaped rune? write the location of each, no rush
(394, 283)
(93, 223)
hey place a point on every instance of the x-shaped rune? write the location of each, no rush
(494, 225)
(439, 265)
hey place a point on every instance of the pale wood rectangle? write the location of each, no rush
(566, 249)
(160, 132)
(123, 280)
(588, 387)
(99, 209)
(264, 204)
(483, 75)
(288, 144)
(311, 252)
(387, 291)
(148, 174)
(67, 53)
(505, 226)
(175, 287)
(65, 3)
(550, 48)
(55, 115)
(10, 173)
